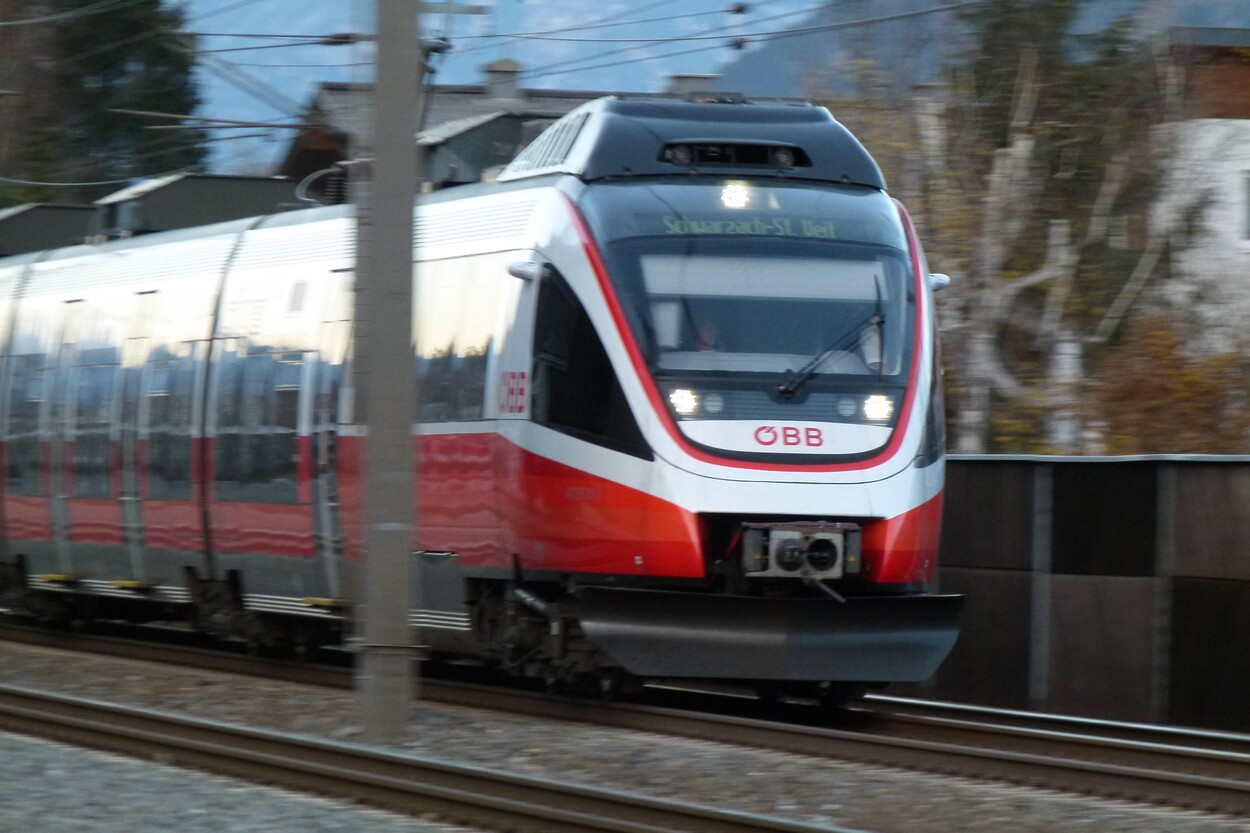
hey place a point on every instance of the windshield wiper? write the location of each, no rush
(807, 371)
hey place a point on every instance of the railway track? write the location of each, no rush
(1150, 764)
(402, 783)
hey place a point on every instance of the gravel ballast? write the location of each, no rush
(62, 784)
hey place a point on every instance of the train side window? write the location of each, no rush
(257, 412)
(454, 333)
(575, 389)
(27, 378)
(167, 452)
(94, 393)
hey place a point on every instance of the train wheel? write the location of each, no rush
(51, 610)
(769, 692)
(836, 696)
(618, 684)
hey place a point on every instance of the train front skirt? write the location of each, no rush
(653, 633)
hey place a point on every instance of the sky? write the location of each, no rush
(609, 45)
(270, 79)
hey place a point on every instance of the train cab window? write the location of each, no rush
(257, 418)
(575, 389)
(94, 390)
(168, 398)
(27, 377)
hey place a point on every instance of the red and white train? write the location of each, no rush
(680, 413)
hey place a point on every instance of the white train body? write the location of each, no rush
(679, 412)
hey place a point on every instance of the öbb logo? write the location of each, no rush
(790, 436)
(512, 391)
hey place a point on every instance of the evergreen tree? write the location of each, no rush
(125, 55)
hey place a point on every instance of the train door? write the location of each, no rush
(164, 459)
(130, 390)
(331, 397)
(580, 442)
(29, 371)
(512, 394)
(454, 337)
(261, 508)
(85, 486)
(128, 454)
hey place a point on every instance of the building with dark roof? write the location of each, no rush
(468, 130)
(37, 226)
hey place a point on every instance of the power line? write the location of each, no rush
(301, 66)
(73, 14)
(766, 35)
(591, 23)
(265, 46)
(126, 181)
(583, 26)
(229, 7)
(551, 69)
(632, 60)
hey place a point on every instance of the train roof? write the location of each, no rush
(228, 227)
(619, 136)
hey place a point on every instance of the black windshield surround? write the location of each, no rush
(733, 290)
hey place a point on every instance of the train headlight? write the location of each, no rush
(878, 408)
(684, 401)
(679, 154)
(735, 195)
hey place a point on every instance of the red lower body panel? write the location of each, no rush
(95, 521)
(904, 549)
(488, 499)
(27, 518)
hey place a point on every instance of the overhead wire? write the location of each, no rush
(265, 46)
(591, 23)
(126, 181)
(638, 60)
(218, 67)
(777, 34)
(229, 7)
(73, 14)
(552, 69)
(255, 65)
(768, 34)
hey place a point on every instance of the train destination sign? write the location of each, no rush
(756, 226)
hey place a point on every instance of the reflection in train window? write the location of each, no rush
(454, 334)
(93, 392)
(168, 450)
(27, 375)
(257, 413)
(575, 389)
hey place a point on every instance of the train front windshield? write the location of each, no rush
(762, 306)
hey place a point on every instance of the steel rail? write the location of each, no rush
(1153, 764)
(409, 784)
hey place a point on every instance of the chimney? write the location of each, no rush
(686, 83)
(501, 79)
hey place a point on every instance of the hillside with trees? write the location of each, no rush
(1032, 169)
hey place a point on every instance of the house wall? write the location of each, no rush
(1217, 89)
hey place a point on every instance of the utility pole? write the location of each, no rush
(385, 668)
(385, 385)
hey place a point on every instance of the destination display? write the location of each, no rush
(754, 226)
